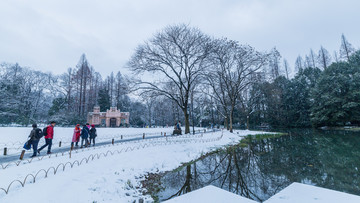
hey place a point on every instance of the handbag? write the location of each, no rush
(27, 145)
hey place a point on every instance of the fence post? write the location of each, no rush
(71, 148)
(121, 136)
(5, 151)
(70, 152)
(22, 154)
(60, 144)
(112, 141)
(143, 135)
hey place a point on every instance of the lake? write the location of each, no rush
(260, 168)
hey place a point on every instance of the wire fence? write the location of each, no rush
(43, 173)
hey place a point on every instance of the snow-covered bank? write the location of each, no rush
(114, 178)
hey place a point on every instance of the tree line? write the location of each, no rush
(241, 85)
(184, 74)
(28, 96)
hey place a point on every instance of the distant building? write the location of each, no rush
(110, 118)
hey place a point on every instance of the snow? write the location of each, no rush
(299, 193)
(210, 194)
(111, 178)
(294, 193)
(113, 173)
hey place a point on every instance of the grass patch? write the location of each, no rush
(250, 138)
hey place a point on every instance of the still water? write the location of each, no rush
(329, 159)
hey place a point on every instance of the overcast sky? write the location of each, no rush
(51, 35)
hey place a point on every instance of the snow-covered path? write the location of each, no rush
(112, 178)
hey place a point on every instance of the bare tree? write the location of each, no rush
(233, 64)
(299, 63)
(336, 57)
(175, 57)
(346, 49)
(274, 63)
(287, 68)
(308, 62)
(66, 84)
(324, 57)
(312, 56)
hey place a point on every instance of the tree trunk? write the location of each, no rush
(226, 125)
(231, 119)
(187, 123)
(230, 126)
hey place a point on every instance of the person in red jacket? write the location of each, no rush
(48, 138)
(76, 135)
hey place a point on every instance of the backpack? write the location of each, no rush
(44, 132)
(38, 133)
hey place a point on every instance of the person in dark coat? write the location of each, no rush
(84, 136)
(49, 137)
(178, 126)
(34, 136)
(93, 134)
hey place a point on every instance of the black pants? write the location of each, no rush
(93, 139)
(48, 142)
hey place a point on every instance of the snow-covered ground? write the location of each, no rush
(210, 194)
(115, 177)
(294, 193)
(299, 193)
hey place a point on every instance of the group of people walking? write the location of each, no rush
(87, 134)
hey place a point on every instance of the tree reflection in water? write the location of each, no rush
(327, 159)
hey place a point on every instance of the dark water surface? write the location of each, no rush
(329, 159)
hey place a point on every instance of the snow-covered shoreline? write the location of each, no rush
(114, 178)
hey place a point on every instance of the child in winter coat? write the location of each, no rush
(84, 136)
(76, 135)
(93, 134)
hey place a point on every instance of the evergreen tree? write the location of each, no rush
(337, 95)
(104, 99)
(298, 96)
